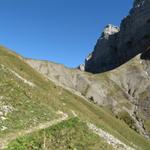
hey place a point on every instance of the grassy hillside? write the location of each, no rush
(28, 99)
(69, 134)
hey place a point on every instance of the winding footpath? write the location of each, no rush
(110, 139)
(5, 141)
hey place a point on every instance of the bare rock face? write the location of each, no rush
(117, 46)
(81, 67)
(109, 30)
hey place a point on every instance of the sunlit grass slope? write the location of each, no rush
(27, 99)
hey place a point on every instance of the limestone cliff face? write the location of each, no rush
(117, 46)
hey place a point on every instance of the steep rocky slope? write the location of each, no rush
(118, 45)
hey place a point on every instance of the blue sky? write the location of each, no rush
(63, 31)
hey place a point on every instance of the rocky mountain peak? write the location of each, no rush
(138, 3)
(109, 30)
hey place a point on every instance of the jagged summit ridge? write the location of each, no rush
(117, 46)
(109, 30)
(138, 3)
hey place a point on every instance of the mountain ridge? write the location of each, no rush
(130, 39)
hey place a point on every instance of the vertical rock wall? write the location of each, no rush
(117, 46)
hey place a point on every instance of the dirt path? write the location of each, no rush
(18, 76)
(110, 139)
(5, 141)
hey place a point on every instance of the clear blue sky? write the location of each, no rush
(63, 31)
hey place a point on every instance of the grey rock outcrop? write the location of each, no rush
(109, 30)
(117, 46)
(81, 67)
